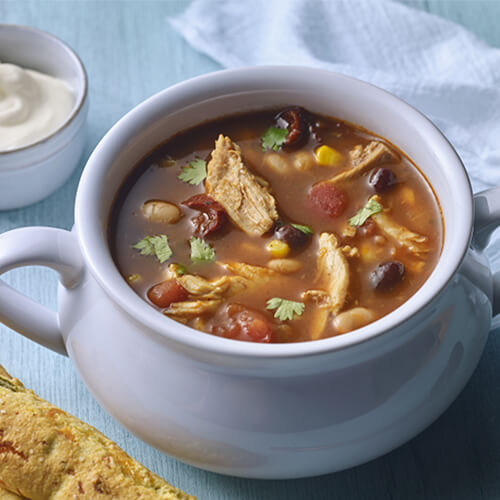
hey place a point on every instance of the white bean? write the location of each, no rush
(276, 162)
(352, 319)
(161, 211)
(303, 161)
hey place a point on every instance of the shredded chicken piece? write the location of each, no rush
(207, 295)
(192, 308)
(256, 275)
(263, 182)
(333, 272)
(201, 288)
(245, 197)
(318, 323)
(415, 243)
(371, 154)
(347, 230)
(350, 251)
(321, 298)
(363, 158)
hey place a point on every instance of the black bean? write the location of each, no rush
(296, 121)
(385, 276)
(212, 218)
(292, 236)
(382, 179)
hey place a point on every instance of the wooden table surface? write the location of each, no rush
(131, 52)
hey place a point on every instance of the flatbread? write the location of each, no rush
(45, 453)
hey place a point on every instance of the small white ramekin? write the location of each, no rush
(30, 173)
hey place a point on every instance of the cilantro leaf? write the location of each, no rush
(371, 208)
(195, 172)
(201, 251)
(155, 245)
(273, 138)
(304, 229)
(285, 309)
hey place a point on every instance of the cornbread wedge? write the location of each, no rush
(47, 454)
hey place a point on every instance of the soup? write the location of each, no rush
(276, 226)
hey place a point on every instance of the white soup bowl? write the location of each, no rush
(254, 410)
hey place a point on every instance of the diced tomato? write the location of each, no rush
(328, 199)
(241, 323)
(165, 293)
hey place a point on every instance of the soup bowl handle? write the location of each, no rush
(487, 219)
(37, 246)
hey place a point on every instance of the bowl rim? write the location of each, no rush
(79, 103)
(97, 255)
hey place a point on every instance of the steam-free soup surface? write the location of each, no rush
(306, 227)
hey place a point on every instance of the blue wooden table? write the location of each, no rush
(130, 53)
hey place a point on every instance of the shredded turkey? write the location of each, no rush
(415, 243)
(245, 197)
(363, 158)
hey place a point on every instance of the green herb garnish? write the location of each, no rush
(201, 251)
(304, 229)
(285, 309)
(167, 162)
(155, 245)
(273, 138)
(133, 278)
(371, 208)
(180, 270)
(194, 173)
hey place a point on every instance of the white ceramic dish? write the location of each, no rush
(31, 173)
(264, 411)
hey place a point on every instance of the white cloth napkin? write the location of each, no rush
(437, 66)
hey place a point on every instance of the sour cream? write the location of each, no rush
(32, 105)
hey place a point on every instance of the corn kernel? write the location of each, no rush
(416, 267)
(368, 252)
(408, 196)
(329, 157)
(278, 249)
